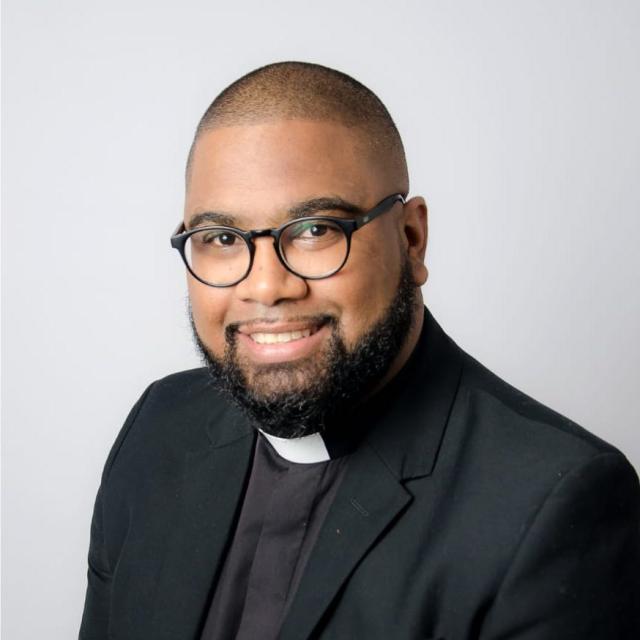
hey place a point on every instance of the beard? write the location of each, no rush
(295, 399)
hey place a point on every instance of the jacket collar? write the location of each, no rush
(412, 411)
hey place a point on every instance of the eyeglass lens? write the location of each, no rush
(217, 256)
(311, 248)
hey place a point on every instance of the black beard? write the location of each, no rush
(336, 385)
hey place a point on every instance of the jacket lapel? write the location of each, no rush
(405, 424)
(368, 500)
(213, 481)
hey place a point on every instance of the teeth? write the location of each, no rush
(276, 338)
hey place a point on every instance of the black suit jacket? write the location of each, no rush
(469, 511)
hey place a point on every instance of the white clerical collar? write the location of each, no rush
(306, 449)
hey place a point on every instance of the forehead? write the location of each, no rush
(268, 166)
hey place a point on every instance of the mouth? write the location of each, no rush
(282, 341)
(280, 337)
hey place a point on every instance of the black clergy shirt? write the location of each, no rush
(291, 486)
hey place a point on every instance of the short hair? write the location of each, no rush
(305, 90)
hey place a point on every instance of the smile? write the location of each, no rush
(277, 338)
(289, 344)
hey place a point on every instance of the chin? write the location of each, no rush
(282, 378)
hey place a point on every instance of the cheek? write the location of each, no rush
(209, 308)
(365, 286)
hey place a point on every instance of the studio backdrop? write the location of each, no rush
(520, 123)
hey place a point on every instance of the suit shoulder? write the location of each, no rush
(515, 451)
(182, 389)
(509, 409)
(172, 416)
(182, 381)
(184, 395)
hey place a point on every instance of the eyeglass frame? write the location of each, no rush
(348, 225)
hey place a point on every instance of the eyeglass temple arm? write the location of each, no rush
(379, 209)
(179, 229)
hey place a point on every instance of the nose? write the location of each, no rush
(269, 282)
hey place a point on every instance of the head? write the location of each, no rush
(291, 351)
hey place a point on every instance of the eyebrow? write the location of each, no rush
(299, 210)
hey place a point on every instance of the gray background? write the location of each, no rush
(521, 126)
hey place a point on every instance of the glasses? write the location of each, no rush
(311, 247)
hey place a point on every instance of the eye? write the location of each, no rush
(226, 239)
(222, 239)
(317, 230)
(311, 229)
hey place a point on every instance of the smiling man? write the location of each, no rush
(340, 468)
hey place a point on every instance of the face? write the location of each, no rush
(276, 336)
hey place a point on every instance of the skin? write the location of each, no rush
(256, 173)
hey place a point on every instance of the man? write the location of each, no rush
(340, 468)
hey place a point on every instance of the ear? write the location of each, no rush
(414, 234)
